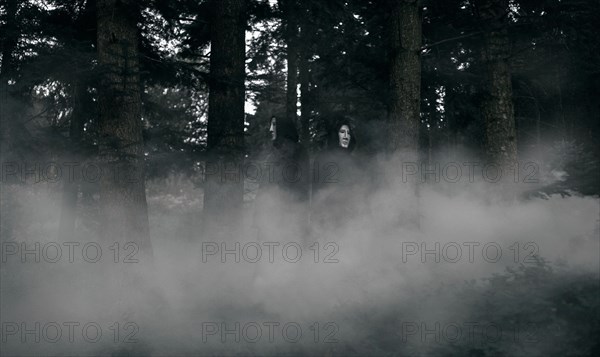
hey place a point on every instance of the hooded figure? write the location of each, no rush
(281, 205)
(287, 164)
(336, 165)
(336, 176)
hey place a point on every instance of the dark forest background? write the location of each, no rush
(165, 86)
(536, 60)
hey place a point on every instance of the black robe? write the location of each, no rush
(287, 169)
(281, 205)
(337, 187)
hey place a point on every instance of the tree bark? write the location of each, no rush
(404, 76)
(291, 36)
(304, 76)
(9, 43)
(8, 116)
(121, 149)
(404, 104)
(70, 196)
(497, 106)
(10, 37)
(223, 196)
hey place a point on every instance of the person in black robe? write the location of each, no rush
(286, 166)
(336, 177)
(284, 186)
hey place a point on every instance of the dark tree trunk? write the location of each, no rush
(404, 76)
(560, 112)
(71, 184)
(121, 149)
(10, 38)
(497, 106)
(404, 46)
(9, 43)
(291, 36)
(223, 196)
(304, 75)
(8, 117)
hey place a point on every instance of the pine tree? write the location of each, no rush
(404, 75)
(223, 194)
(121, 149)
(497, 106)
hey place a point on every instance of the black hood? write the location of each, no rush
(285, 130)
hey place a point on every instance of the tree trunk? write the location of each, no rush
(8, 115)
(121, 149)
(404, 76)
(561, 123)
(223, 196)
(304, 74)
(404, 105)
(9, 43)
(291, 36)
(10, 37)
(71, 184)
(497, 106)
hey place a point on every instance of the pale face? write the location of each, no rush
(344, 136)
(273, 128)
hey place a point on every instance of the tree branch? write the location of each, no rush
(426, 47)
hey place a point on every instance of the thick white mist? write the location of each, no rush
(368, 269)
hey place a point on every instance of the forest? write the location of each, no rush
(299, 177)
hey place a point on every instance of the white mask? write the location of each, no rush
(344, 136)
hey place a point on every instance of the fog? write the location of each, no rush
(370, 284)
